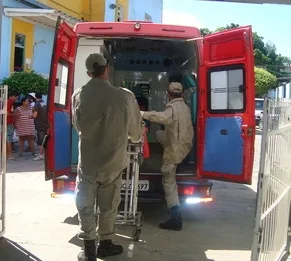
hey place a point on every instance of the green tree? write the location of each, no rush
(26, 82)
(264, 81)
(227, 27)
(205, 31)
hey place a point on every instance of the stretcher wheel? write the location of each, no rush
(136, 234)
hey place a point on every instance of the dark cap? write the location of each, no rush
(95, 58)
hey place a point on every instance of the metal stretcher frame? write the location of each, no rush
(129, 216)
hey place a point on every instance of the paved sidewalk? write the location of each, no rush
(44, 229)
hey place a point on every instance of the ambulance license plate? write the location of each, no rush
(143, 185)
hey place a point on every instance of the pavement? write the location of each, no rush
(44, 229)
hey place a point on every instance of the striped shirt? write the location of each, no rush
(25, 125)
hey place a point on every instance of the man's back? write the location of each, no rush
(104, 116)
(40, 108)
(179, 133)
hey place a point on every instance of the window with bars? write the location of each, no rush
(227, 92)
(61, 84)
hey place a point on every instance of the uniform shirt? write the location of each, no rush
(104, 117)
(39, 121)
(178, 129)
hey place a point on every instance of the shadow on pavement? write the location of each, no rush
(24, 164)
(211, 232)
(11, 251)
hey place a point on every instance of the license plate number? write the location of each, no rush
(143, 185)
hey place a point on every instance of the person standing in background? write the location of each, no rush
(39, 115)
(13, 96)
(25, 126)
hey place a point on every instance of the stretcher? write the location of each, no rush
(129, 215)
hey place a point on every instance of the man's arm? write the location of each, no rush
(75, 114)
(165, 117)
(35, 111)
(135, 120)
(9, 108)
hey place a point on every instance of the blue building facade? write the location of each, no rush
(35, 54)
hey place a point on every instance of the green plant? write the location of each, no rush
(264, 81)
(26, 82)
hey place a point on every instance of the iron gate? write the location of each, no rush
(273, 195)
(3, 130)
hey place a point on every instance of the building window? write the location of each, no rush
(119, 16)
(147, 17)
(19, 51)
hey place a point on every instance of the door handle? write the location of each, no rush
(223, 132)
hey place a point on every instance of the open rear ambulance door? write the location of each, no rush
(58, 140)
(226, 120)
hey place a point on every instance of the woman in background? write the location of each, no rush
(25, 126)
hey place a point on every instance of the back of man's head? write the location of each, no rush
(38, 95)
(13, 94)
(96, 66)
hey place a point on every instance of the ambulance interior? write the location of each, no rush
(144, 66)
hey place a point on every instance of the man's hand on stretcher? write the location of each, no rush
(144, 133)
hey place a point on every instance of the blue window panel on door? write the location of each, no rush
(223, 151)
(62, 135)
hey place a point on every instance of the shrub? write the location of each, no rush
(27, 82)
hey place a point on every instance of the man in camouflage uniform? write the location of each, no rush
(176, 140)
(104, 117)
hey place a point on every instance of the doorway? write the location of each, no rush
(19, 51)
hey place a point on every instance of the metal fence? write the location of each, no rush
(274, 194)
(3, 130)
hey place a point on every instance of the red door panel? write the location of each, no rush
(58, 140)
(226, 107)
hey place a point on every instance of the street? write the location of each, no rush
(43, 228)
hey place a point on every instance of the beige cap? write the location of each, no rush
(175, 87)
(95, 58)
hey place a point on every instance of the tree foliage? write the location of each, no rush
(264, 81)
(26, 82)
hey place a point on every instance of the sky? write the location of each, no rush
(273, 22)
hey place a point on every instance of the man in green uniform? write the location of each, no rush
(176, 140)
(104, 117)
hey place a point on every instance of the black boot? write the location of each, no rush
(107, 248)
(174, 222)
(89, 253)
